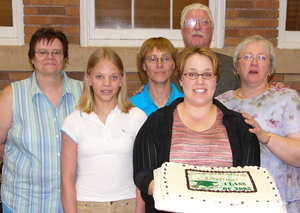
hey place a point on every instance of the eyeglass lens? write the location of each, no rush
(154, 59)
(192, 22)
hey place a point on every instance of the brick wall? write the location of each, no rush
(250, 17)
(59, 14)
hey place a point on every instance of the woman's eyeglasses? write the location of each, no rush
(44, 53)
(250, 58)
(154, 59)
(194, 76)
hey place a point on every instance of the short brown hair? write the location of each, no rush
(48, 34)
(197, 50)
(160, 43)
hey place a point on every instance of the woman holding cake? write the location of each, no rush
(273, 112)
(97, 142)
(196, 130)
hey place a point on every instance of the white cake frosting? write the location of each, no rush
(185, 188)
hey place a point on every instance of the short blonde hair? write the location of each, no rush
(263, 42)
(202, 50)
(196, 6)
(87, 101)
(161, 44)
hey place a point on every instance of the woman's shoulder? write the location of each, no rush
(225, 109)
(75, 114)
(225, 96)
(164, 114)
(23, 82)
(282, 91)
(280, 94)
(71, 121)
(136, 98)
(137, 111)
(74, 85)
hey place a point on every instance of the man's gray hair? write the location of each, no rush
(195, 6)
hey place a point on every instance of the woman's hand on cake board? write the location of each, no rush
(286, 148)
(151, 188)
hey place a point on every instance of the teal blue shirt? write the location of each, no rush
(144, 101)
(31, 169)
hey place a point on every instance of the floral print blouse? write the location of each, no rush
(277, 111)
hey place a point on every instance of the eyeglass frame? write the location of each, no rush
(198, 74)
(61, 53)
(200, 21)
(157, 58)
(251, 59)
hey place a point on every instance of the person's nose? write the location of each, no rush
(159, 62)
(106, 81)
(200, 79)
(50, 55)
(197, 26)
(254, 61)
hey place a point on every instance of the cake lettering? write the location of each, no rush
(219, 181)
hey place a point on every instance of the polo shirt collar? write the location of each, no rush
(93, 115)
(146, 98)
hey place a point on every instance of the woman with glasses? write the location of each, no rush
(31, 115)
(196, 130)
(273, 113)
(156, 66)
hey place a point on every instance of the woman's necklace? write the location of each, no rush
(241, 97)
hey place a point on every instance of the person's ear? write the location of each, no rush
(121, 81)
(144, 67)
(180, 81)
(88, 77)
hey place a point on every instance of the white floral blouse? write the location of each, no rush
(277, 111)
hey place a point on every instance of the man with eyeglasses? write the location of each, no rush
(197, 28)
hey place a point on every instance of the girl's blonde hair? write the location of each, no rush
(87, 101)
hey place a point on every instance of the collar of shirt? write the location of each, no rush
(94, 117)
(146, 98)
(35, 89)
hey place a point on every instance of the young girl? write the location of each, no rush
(97, 142)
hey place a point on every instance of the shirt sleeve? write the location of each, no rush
(140, 119)
(70, 127)
(292, 113)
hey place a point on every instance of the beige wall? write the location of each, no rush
(14, 58)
